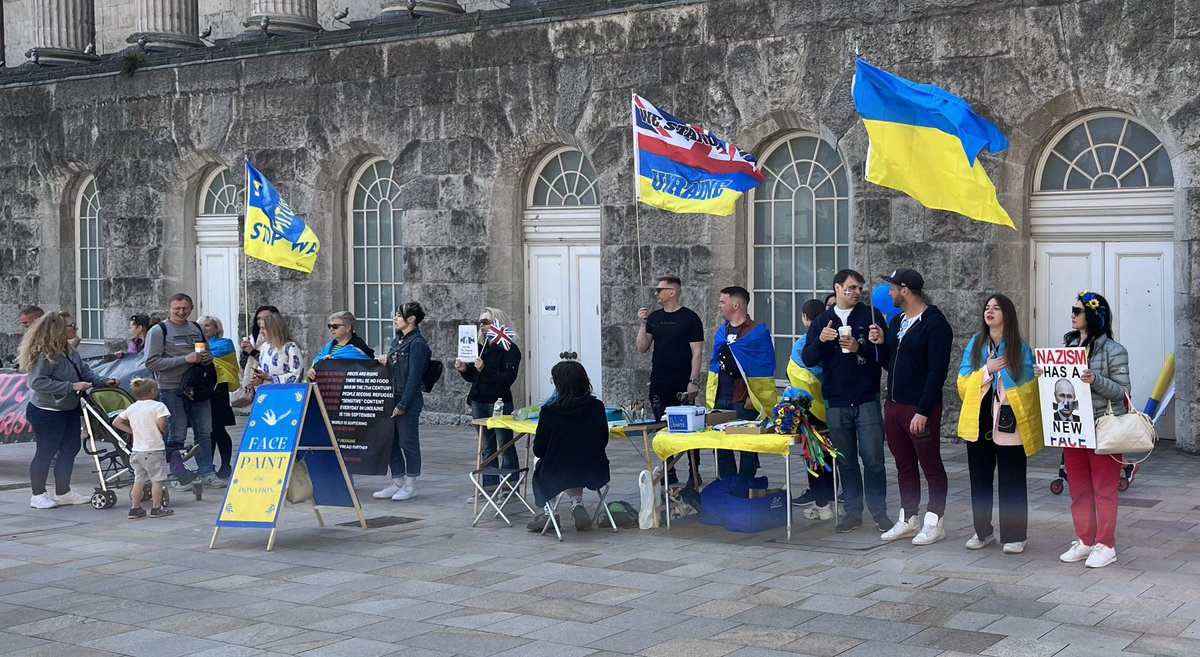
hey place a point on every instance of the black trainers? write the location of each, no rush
(583, 520)
(161, 512)
(883, 523)
(847, 525)
(805, 498)
(538, 522)
(137, 514)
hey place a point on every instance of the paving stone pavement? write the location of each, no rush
(75, 581)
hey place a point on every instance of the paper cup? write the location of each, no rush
(844, 332)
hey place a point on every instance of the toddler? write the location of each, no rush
(146, 419)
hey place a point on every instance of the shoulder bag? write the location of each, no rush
(1131, 432)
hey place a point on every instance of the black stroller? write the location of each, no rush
(110, 447)
(1128, 473)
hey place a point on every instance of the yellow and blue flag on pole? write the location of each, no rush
(925, 142)
(274, 232)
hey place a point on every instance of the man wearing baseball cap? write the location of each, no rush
(918, 342)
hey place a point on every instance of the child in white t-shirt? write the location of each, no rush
(146, 419)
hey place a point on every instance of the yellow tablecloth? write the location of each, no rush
(667, 444)
(530, 427)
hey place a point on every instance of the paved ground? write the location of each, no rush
(80, 582)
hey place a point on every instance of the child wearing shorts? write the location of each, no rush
(146, 419)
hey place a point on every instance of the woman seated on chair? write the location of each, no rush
(572, 435)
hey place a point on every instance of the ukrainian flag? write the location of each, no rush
(1022, 396)
(755, 357)
(925, 142)
(805, 380)
(274, 232)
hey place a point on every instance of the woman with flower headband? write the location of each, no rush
(1093, 477)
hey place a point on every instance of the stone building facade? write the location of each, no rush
(485, 158)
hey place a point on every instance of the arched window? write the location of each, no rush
(91, 292)
(1107, 151)
(801, 235)
(376, 250)
(566, 179)
(223, 195)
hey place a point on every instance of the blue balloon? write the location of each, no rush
(882, 298)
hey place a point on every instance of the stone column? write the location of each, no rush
(285, 16)
(408, 9)
(62, 30)
(167, 24)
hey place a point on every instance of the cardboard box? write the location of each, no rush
(752, 430)
(719, 417)
(763, 492)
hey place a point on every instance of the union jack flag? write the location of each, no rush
(500, 334)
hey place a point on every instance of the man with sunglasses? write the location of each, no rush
(677, 335)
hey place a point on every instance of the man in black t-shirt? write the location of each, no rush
(678, 337)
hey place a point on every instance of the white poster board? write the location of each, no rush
(1066, 401)
(468, 343)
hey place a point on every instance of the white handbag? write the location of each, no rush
(1131, 432)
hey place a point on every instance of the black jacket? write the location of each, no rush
(571, 437)
(500, 369)
(920, 362)
(847, 379)
(407, 359)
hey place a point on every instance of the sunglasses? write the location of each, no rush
(484, 322)
(334, 326)
(660, 290)
(1076, 312)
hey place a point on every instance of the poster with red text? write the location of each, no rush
(1066, 400)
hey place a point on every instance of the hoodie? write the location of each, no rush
(918, 365)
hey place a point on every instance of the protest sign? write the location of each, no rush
(1067, 419)
(358, 399)
(468, 343)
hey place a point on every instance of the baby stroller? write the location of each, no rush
(110, 448)
(1127, 475)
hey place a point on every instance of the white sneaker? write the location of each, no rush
(1077, 552)
(902, 529)
(388, 492)
(43, 501)
(976, 543)
(1101, 556)
(407, 491)
(932, 531)
(1016, 547)
(819, 512)
(71, 497)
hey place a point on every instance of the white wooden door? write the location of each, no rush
(564, 313)
(1137, 278)
(218, 289)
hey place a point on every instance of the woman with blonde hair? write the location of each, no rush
(491, 376)
(280, 358)
(57, 375)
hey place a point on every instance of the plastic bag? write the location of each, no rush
(648, 489)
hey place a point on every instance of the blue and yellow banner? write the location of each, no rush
(274, 232)
(1022, 396)
(925, 142)
(805, 380)
(755, 357)
(685, 168)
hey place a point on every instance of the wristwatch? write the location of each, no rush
(695, 382)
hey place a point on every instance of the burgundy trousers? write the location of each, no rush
(911, 451)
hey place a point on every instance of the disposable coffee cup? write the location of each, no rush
(844, 332)
(200, 347)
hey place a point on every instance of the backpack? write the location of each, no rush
(624, 514)
(432, 374)
(200, 380)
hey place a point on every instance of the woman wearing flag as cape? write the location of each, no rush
(345, 343)
(1001, 422)
(741, 373)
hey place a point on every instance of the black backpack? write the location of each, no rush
(200, 380)
(432, 374)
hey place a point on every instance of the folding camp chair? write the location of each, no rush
(551, 510)
(504, 492)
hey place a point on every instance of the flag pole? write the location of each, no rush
(637, 191)
(245, 258)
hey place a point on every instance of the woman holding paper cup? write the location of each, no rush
(1093, 477)
(1001, 421)
(491, 375)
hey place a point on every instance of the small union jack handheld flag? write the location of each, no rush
(500, 334)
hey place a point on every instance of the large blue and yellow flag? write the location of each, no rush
(1022, 396)
(925, 142)
(684, 168)
(805, 380)
(273, 231)
(755, 357)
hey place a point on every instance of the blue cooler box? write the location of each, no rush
(749, 516)
(718, 496)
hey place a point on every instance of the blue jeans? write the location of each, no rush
(406, 441)
(56, 433)
(493, 438)
(857, 432)
(198, 415)
(726, 465)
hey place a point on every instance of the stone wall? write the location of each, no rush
(465, 115)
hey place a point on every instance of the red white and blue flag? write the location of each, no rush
(500, 334)
(685, 168)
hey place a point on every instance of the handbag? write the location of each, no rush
(242, 397)
(1131, 432)
(300, 487)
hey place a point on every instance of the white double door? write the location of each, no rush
(563, 293)
(1137, 279)
(218, 283)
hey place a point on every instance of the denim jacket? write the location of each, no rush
(407, 359)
